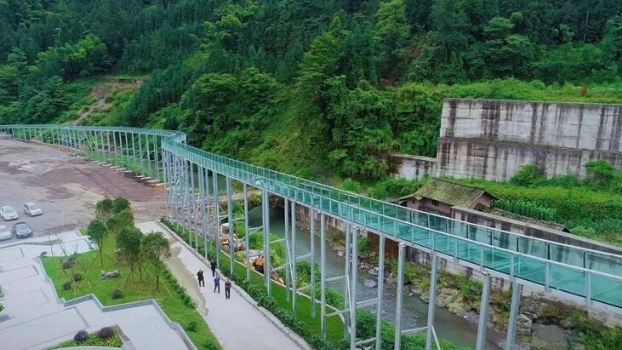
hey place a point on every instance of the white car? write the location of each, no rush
(5, 233)
(8, 213)
(31, 209)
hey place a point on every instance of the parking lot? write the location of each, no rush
(65, 187)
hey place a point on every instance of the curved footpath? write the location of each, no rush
(38, 319)
(236, 323)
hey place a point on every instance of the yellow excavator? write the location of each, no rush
(258, 262)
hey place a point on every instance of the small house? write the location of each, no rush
(439, 196)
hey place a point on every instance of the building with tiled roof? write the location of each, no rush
(525, 219)
(439, 196)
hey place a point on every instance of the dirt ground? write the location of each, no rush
(66, 188)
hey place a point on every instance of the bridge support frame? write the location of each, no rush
(517, 290)
(483, 314)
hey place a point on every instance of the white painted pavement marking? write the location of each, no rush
(10, 254)
(17, 274)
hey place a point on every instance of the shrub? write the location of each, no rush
(117, 294)
(68, 285)
(76, 277)
(1, 308)
(584, 231)
(379, 191)
(81, 336)
(364, 246)
(400, 187)
(526, 176)
(67, 264)
(211, 344)
(351, 186)
(601, 171)
(192, 326)
(105, 333)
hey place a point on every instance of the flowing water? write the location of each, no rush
(414, 311)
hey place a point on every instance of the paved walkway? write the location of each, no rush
(235, 322)
(38, 320)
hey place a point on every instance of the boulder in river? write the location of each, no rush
(549, 337)
(369, 283)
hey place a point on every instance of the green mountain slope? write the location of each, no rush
(315, 88)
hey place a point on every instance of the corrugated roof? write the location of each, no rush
(448, 192)
(512, 216)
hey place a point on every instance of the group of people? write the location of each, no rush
(216, 276)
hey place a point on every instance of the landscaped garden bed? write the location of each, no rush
(140, 277)
(107, 337)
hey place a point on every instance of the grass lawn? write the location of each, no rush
(334, 325)
(136, 289)
(93, 340)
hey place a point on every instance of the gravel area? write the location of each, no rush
(66, 188)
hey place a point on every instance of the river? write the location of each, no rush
(414, 311)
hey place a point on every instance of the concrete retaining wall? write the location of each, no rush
(491, 139)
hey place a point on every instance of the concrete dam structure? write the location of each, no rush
(491, 139)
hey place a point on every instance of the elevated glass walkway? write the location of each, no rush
(587, 274)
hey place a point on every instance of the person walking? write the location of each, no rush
(228, 289)
(201, 278)
(213, 267)
(217, 283)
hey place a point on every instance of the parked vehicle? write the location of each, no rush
(22, 230)
(8, 213)
(32, 209)
(5, 233)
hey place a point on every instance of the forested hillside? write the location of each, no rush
(317, 88)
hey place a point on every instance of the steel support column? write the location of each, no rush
(148, 157)
(266, 253)
(294, 260)
(346, 285)
(323, 275)
(400, 296)
(108, 149)
(186, 200)
(114, 145)
(216, 216)
(230, 227)
(431, 336)
(354, 264)
(247, 236)
(140, 152)
(312, 238)
(127, 152)
(517, 290)
(288, 257)
(193, 205)
(483, 314)
(134, 162)
(380, 291)
(156, 157)
(204, 211)
(166, 186)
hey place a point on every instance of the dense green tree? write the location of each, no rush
(97, 232)
(154, 250)
(233, 74)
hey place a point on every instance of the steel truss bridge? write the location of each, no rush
(588, 276)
